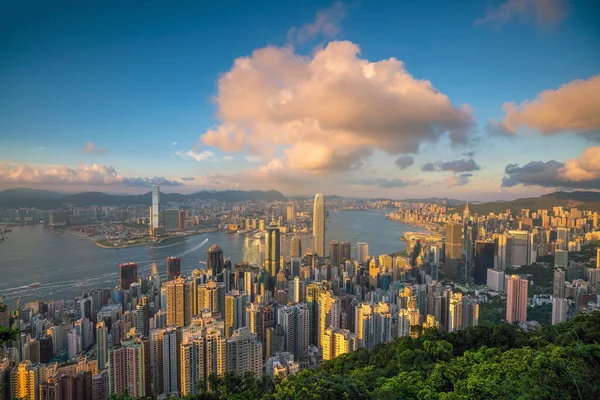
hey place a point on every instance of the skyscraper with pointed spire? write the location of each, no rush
(319, 225)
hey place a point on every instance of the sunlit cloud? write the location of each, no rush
(329, 111)
(326, 24)
(582, 172)
(95, 174)
(571, 108)
(458, 180)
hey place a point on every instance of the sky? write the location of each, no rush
(479, 100)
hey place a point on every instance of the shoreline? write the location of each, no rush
(160, 240)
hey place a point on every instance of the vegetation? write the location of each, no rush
(492, 312)
(483, 362)
(541, 275)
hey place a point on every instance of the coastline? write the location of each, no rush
(160, 240)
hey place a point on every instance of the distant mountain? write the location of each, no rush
(49, 200)
(580, 199)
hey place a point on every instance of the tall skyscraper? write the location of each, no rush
(25, 380)
(562, 237)
(345, 251)
(319, 225)
(516, 299)
(504, 252)
(598, 258)
(154, 217)
(334, 253)
(102, 344)
(295, 247)
(484, 260)
(214, 262)
(520, 253)
(235, 311)
(182, 220)
(453, 240)
(179, 302)
(171, 220)
(128, 273)
(142, 310)
(272, 254)
(362, 252)
(173, 268)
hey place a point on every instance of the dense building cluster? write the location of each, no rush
(153, 336)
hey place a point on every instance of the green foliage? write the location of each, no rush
(493, 312)
(541, 275)
(541, 314)
(484, 362)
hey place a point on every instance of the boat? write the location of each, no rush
(35, 285)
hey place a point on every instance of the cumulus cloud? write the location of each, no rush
(187, 178)
(404, 162)
(90, 147)
(571, 108)
(456, 166)
(458, 180)
(95, 174)
(206, 155)
(326, 24)
(582, 172)
(543, 11)
(389, 183)
(329, 111)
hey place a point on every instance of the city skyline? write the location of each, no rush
(480, 101)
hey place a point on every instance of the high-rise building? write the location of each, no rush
(504, 252)
(560, 308)
(179, 302)
(235, 311)
(129, 368)
(558, 288)
(214, 262)
(598, 257)
(562, 237)
(345, 251)
(455, 312)
(319, 225)
(272, 254)
(561, 258)
(520, 252)
(484, 260)
(334, 253)
(155, 208)
(295, 247)
(25, 380)
(100, 389)
(516, 299)
(294, 319)
(495, 279)
(182, 220)
(173, 268)
(453, 241)
(171, 220)
(362, 252)
(128, 273)
(102, 344)
(295, 266)
(142, 310)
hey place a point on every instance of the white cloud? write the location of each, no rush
(202, 156)
(329, 111)
(95, 174)
(326, 23)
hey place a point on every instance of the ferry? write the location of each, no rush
(35, 285)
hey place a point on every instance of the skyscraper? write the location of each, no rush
(453, 241)
(25, 380)
(334, 253)
(179, 302)
(235, 311)
(142, 310)
(362, 252)
(598, 258)
(128, 273)
(173, 268)
(154, 217)
(295, 247)
(516, 299)
(560, 307)
(171, 220)
(504, 252)
(272, 254)
(484, 260)
(345, 251)
(319, 225)
(214, 262)
(129, 368)
(101, 344)
(182, 220)
(558, 289)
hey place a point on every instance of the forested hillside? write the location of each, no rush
(498, 362)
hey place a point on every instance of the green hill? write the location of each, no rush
(495, 362)
(582, 200)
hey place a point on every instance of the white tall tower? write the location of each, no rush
(319, 225)
(154, 219)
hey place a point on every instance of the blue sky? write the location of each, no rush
(136, 78)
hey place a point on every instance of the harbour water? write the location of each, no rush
(65, 265)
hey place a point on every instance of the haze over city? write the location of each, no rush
(480, 100)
